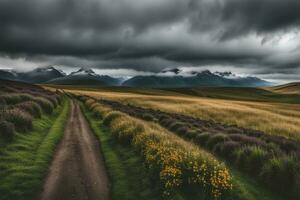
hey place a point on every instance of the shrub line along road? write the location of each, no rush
(77, 170)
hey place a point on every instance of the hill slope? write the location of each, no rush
(38, 75)
(290, 88)
(7, 75)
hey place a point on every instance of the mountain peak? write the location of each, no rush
(226, 74)
(47, 70)
(204, 73)
(84, 71)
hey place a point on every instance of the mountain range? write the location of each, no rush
(86, 77)
(38, 75)
(177, 78)
(168, 78)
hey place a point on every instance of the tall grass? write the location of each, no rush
(273, 118)
(21, 120)
(31, 107)
(176, 163)
(24, 163)
(15, 98)
(128, 176)
(45, 104)
(250, 154)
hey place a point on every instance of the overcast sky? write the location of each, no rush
(258, 37)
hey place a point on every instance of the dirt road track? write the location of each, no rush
(77, 171)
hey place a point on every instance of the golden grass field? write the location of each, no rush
(290, 88)
(273, 118)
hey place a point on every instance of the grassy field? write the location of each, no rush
(177, 134)
(24, 162)
(270, 94)
(159, 143)
(290, 88)
(155, 148)
(268, 115)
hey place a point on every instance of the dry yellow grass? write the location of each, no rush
(273, 118)
(290, 88)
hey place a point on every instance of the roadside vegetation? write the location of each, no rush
(20, 105)
(269, 159)
(31, 127)
(128, 176)
(181, 168)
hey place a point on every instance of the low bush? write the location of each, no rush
(191, 134)
(227, 148)
(215, 139)
(166, 122)
(162, 117)
(21, 120)
(148, 117)
(89, 102)
(83, 98)
(31, 107)
(182, 131)
(126, 131)
(174, 126)
(93, 105)
(247, 140)
(7, 130)
(45, 104)
(111, 116)
(15, 98)
(52, 99)
(284, 143)
(202, 138)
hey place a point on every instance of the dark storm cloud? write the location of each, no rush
(238, 17)
(151, 34)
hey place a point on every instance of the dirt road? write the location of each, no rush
(77, 171)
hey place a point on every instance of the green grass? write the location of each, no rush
(128, 176)
(249, 189)
(25, 162)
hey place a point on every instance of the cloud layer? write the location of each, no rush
(259, 36)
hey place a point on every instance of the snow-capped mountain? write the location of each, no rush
(173, 78)
(8, 74)
(41, 75)
(83, 72)
(85, 76)
(38, 75)
(229, 75)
